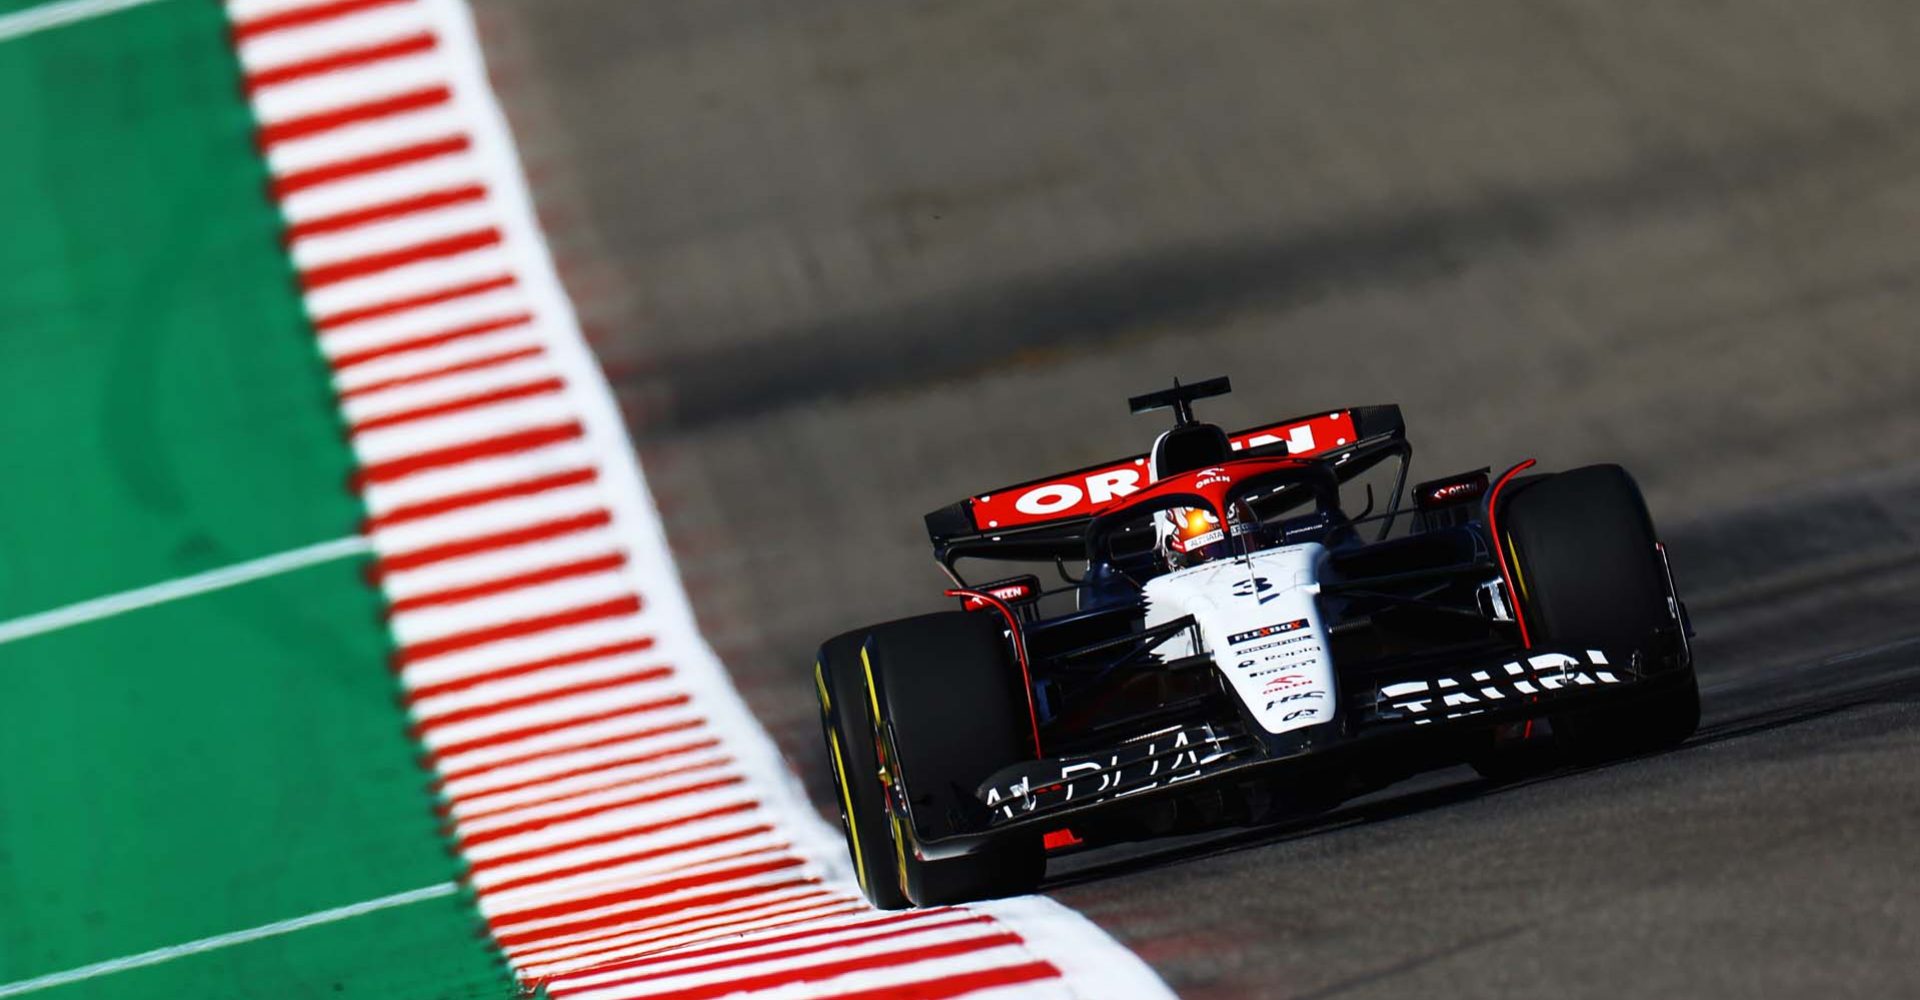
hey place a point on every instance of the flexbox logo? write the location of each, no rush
(1266, 630)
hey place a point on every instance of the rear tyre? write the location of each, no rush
(840, 683)
(1585, 563)
(953, 712)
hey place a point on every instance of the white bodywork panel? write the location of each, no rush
(1258, 619)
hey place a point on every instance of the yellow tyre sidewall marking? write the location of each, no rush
(873, 694)
(1513, 556)
(840, 776)
(853, 822)
(900, 833)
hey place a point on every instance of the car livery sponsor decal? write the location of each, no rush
(1011, 591)
(1144, 762)
(1250, 641)
(1536, 676)
(1080, 493)
(1266, 630)
(1276, 644)
(1211, 477)
(1455, 492)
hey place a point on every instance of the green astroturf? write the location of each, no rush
(163, 411)
(236, 758)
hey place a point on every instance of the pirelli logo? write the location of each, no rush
(1266, 630)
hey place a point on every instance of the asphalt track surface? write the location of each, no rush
(849, 262)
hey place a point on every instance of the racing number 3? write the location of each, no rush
(1254, 586)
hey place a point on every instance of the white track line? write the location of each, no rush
(54, 15)
(186, 586)
(168, 954)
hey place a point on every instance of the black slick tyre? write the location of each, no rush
(1582, 550)
(953, 712)
(840, 684)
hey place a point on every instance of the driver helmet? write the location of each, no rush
(1190, 536)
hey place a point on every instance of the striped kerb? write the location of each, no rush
(628, 828)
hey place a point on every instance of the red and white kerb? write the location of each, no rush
(628, 828)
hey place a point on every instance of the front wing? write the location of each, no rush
(1403, 701)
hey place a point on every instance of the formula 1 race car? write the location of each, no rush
(1236, 647)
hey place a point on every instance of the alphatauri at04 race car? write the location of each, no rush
(1238, 647)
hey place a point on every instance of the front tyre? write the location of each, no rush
(1587, 567)
(846, 723)
(952, 711)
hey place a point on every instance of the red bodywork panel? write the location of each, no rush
(1078, 494)
(1211, 483)
(1013, 591)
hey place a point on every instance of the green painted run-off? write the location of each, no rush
(232, 759)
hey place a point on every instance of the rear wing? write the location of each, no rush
(1045, 511)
